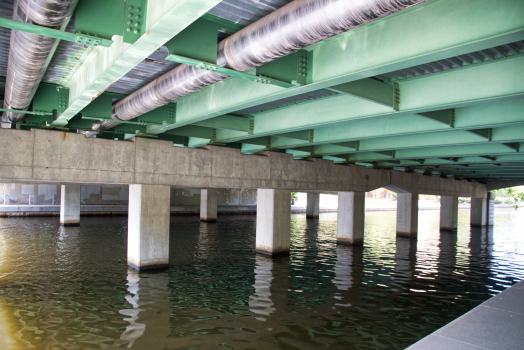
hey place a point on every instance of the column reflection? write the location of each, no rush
(405, 261)
(148, 320)
(348, 274)
(271, 287)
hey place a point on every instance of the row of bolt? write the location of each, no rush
(133, 17)
(302, 66)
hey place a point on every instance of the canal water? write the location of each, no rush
(69, 288)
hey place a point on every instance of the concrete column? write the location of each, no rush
(448, 213)
(70, 205)
(208, 205)
(407, 215)
(350, 218)
(148, 227)
(273, 221)
(491, 208)
(479, 212)
(6, 199)
(313, 205)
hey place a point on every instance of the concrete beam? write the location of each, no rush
(45, 156)
(395, 42)
(105, 65)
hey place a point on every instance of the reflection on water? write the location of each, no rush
(69, 288)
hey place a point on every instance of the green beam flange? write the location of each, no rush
(78, 37)
(105, 18)
(25, 112)
(372, 90)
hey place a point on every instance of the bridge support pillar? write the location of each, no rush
(491, 208)
(273, 221)
(70, 205)
(479, 212)
(313, 205)
(407, 215)
(350, 218)
(208, 205)
(148, 227)
(448, 213)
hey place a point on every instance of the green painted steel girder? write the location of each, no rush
(396, 42)
(104, 66)
(84, 39)
(463, 87)
(229, 122)
(441, 152)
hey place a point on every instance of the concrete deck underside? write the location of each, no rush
(495, 324)
(44, 156)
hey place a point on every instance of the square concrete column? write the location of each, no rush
(70, 205)
(491, 208)
(273, 221)
(479, 212)
(448, 213)
(407, 215)
(148, 227)
(208, 205)
(313, 205)
(350, 218)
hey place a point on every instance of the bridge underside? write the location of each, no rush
(436, 89)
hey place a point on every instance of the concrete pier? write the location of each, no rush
(70, 205)
(495, 324)
(313, 205)
(148, 227)
(448, 213)
(407, 215)
(273, 221)
(350, 218)
(491, 208)
(208, 205)
(479, 212)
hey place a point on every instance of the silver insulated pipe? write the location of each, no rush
(30, 54)
(298, 24)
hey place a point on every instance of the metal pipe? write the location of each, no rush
(30, 54)
(298, 24)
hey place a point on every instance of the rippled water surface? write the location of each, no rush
(69, 288)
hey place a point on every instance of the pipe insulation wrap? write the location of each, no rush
(30, 54)
(298, 24)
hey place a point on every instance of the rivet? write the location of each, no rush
(138, 9)
(129, 15)
(135, 31)
(128, 29)
(137, 17)
(129, 21)
(137, 24)
(130, 8)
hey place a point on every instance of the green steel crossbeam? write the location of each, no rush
(102, 68)
(230, 72)
(464, 26)
(121, 121)
(462, 88)
(80, 38)
(26, 112)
